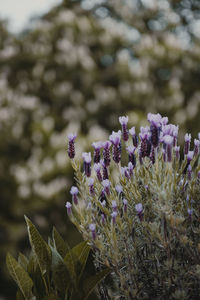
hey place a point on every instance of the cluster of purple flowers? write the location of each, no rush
(159, 136)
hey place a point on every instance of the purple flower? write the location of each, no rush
(123, 121)
(187, 143)
(139, 209)
(130, 168)
(71, 148)
(134, 137)
(106, 185)
(97, 168)
(189, 170)
(177, 151)
(91, 186)
(115, 139)
(198, 175)
(118, 188)
(125, 203)
(145, 146)
(196, 147)
(190, 210)
(87, 163)
(131, 155)
(103, 219)
(125, 172)
(105, 170)
(74, 193)
(103, 203)
(106, 152)
(114, 205)
(155, 121)
(168, 141)
(97, 155)
(114, 216)
(92, 228)
(69, 208)
(190, 156)
(164, 120)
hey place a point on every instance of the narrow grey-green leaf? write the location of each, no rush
(20, 276)
(39, 246)
(59, 243)
(91, 282)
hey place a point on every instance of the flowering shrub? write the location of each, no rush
(140, 210)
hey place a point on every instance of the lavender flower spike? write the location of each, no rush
(168, 140)
(131, 156)
(187, 143)
(97, 168)
(190, 156)
(91, 186)
(125, 203)
(87, 163)
(134, 137)
(71, 148)
(114, 205)
(118, 188)
(92, 228)
(69, 208)
(177, 151)
(123, 121)
(139, 209)
(155, 121)
(106, 185)
(115, 139)
(114, 216)
(196, 147)
(74, 193)
(106, 152)
(97, 147)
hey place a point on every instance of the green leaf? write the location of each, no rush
(76, 259)
(23, 261)
(90, 283)
(60, 274)
(39, 247)
(20, 276)
(59, 243)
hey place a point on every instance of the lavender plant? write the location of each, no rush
(140, 211)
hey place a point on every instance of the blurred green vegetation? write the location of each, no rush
(76, 69)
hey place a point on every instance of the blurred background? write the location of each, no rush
(76, 66)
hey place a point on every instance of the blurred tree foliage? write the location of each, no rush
(76, 69)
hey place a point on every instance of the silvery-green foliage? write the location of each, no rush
(143, 220)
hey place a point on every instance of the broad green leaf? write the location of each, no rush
(23, 261)
(39, 247)
(91, 282)
(60, 274)
(76, 258)
(59, 243)
(20, 276)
